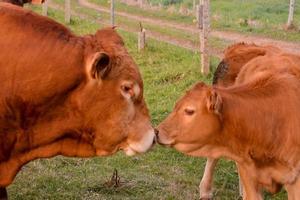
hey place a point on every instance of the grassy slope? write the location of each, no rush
(134, 26)
(270, 15)
(161, 174)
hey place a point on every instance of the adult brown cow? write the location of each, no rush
(22, 2)
(255, 123)
(62, 94)
(235, 57)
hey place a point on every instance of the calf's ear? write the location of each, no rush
(99, 65)
(214, 102)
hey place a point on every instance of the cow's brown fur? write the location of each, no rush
(255, 123)
(62, 94)
(22, 2)
(235, 57)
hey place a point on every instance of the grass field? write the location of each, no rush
(264, 17)
(162, 174)
(133, 25)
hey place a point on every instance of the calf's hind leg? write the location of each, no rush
(205, 187)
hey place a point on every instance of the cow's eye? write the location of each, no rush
(126, 88)
(189, 111)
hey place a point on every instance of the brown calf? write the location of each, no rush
(63, 94)
(235, 57)
(255, 123)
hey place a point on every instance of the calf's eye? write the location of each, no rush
(189, 111)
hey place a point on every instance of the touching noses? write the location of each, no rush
(156, 138)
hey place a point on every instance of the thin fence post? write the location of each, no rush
(45, 8)
(199, 17)
(194, 6)
(204, 26)
(291, 14)
(141, 38)
(112, 12)
(67, 11)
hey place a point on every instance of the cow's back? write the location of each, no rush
(39, 58)
(40, 64)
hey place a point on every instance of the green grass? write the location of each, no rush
(269, 16)
(175, 17)
(160, 174)
(134, 26)
(131, 24)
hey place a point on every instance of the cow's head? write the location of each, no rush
(111, 100)
(193, 122)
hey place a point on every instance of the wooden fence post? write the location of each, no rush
(204, 26)
(112, 12)
(141, 38)
(45, 8)
(194, 6)
(67, 11)
(199, 12)
(290, 24)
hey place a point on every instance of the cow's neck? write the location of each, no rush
(252, 127)
(58, 132)
(58, 123)
(243, 121)
(252, 133)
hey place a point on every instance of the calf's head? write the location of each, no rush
(111, 100)
(194, 121)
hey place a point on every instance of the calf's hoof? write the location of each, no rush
(206, 197)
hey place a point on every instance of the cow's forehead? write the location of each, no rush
(109, 41)
(192, 95)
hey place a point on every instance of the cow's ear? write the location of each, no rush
(214, 102)
(100, 65)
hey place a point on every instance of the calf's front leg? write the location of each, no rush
(206, 184)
